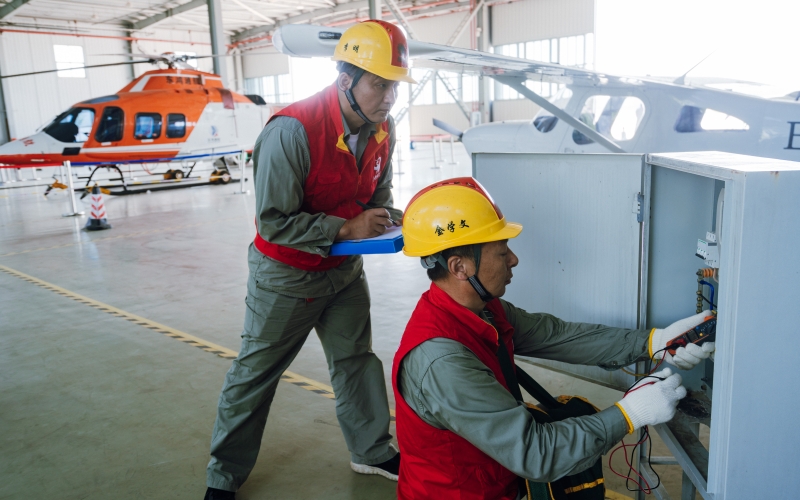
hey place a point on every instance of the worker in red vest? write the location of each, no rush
(462, 433)
(313, 163)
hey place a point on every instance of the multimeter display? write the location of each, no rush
(699, 335)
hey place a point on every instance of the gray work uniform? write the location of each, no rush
(450, 388)
(283, 305)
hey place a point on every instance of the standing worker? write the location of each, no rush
(313, 164)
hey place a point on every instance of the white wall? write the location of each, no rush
(421, 118)
(33, 101)
(528, 20)
(513, 109)
(264, 62)
(439, 29)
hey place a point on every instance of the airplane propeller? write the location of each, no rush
(448, 128)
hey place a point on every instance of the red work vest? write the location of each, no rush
(333, 183)
(438, 463)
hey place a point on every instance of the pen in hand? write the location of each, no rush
(367, 207)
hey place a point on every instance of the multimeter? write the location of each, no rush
(699, 335)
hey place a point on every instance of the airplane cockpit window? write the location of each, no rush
(147, 126)
(544, 121)
(176, 125)
(111, 124)
(615, 116)
(73, 125)
(694, 119)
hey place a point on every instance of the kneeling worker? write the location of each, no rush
(316, 164)
(461, 431)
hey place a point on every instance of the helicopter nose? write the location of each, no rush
(27, 149)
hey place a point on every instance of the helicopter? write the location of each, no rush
(166, 115)
(594, 112)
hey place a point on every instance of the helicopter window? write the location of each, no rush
(615, 116)
(148, 126)
(176, 125)
(73, 125)
(111, 125)
(694, 119)
(544, 120)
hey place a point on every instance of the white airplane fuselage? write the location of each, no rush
(773, 124)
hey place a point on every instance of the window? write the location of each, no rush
(470, 88)
(694, 119)
(69, 56)
(176, 125)
(276, 89)
(453, 81)
(614, 116)
(111, 124)
(73, 125)
(544, 120)
(576, 51)
(147, 126)
(426, 93)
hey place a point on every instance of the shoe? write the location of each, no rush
(215, 494)
(388, 469)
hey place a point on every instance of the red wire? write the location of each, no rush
(624, 446)
(637, 388)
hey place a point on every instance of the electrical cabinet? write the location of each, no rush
(618, 239)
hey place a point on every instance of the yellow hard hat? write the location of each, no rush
(452, 213)
(377, 47)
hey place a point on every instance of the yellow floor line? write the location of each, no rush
(116, 237)
(210, 347)
(613, 495)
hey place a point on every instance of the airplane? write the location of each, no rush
(165, 115)
(595, 112)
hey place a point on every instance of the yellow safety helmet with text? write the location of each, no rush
(377, 47)
(452, 213)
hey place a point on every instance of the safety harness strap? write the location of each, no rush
(519, 377)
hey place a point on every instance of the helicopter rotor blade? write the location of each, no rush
(79, 67)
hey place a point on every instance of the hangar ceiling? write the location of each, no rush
(243, 20)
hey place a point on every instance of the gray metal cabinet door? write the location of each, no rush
(579, 250)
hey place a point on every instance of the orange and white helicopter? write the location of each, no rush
(174, 114)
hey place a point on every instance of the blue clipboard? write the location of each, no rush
(389, 242)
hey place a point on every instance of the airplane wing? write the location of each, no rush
(304, 40)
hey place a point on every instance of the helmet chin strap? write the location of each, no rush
(474, 281)
(352, 99)
(430, 262)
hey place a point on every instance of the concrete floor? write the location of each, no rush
(95, 406)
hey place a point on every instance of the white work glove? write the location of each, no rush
(687, 357)
(655, 403)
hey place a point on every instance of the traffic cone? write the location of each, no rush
(97, 219)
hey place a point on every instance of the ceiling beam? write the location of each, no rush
(144, 23)
(300, 18)
(10, 7)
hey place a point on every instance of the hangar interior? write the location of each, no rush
(114, 344)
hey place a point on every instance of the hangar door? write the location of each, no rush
(579, 250)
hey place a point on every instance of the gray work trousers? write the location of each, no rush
(276, 326)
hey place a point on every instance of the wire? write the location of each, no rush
(628, 477)
(709, 285)
(651, 371)
(647, 489)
